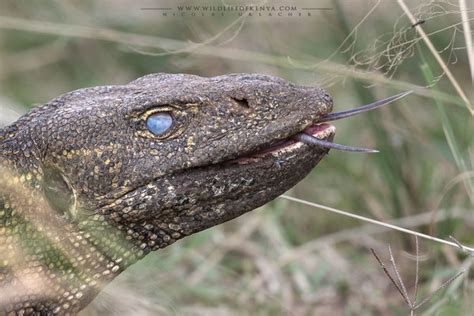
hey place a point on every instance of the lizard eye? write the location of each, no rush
(159, 123)
(162, 122)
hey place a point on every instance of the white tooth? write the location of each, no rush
(287, 149)
(325, 132)
(319, 134)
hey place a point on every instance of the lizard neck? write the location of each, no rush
(79, 258)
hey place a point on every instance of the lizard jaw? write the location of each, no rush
(322, 131)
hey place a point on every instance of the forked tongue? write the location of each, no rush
(311, 140)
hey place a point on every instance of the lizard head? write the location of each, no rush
(169, 155)
(118, 171)
(123, 170)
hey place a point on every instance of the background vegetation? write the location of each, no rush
(287, 258)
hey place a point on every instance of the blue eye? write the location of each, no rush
(159, 123)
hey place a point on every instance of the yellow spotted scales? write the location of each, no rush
(86, 189)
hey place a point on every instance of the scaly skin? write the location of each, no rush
(86, 190)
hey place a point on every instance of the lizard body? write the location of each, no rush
(87, 189)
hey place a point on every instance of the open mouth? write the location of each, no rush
(319, 134)
(319, 131)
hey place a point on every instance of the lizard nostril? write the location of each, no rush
(327, 97)
(242, 102)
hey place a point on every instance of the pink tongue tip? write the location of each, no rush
(316, 128)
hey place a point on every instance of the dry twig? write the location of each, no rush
(400, 285)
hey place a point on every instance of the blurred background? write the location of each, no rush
(287, 258)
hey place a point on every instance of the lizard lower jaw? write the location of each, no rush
(321, 131)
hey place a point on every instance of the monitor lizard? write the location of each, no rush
(95, 179)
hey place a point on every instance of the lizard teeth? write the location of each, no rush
(319, 131)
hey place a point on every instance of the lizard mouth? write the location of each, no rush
(320, 131)
(318, 134)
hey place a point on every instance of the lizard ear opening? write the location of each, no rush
(59, 193)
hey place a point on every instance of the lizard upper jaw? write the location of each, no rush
(321, 131)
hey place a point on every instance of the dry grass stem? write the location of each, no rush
(467, 37)
(417, 268)
(373, 221)
(438, 58)
(400, 286)
(387, 273)
(354, 30)
(365, 230)
(461, 246)
(445, 284)
(238, 23)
